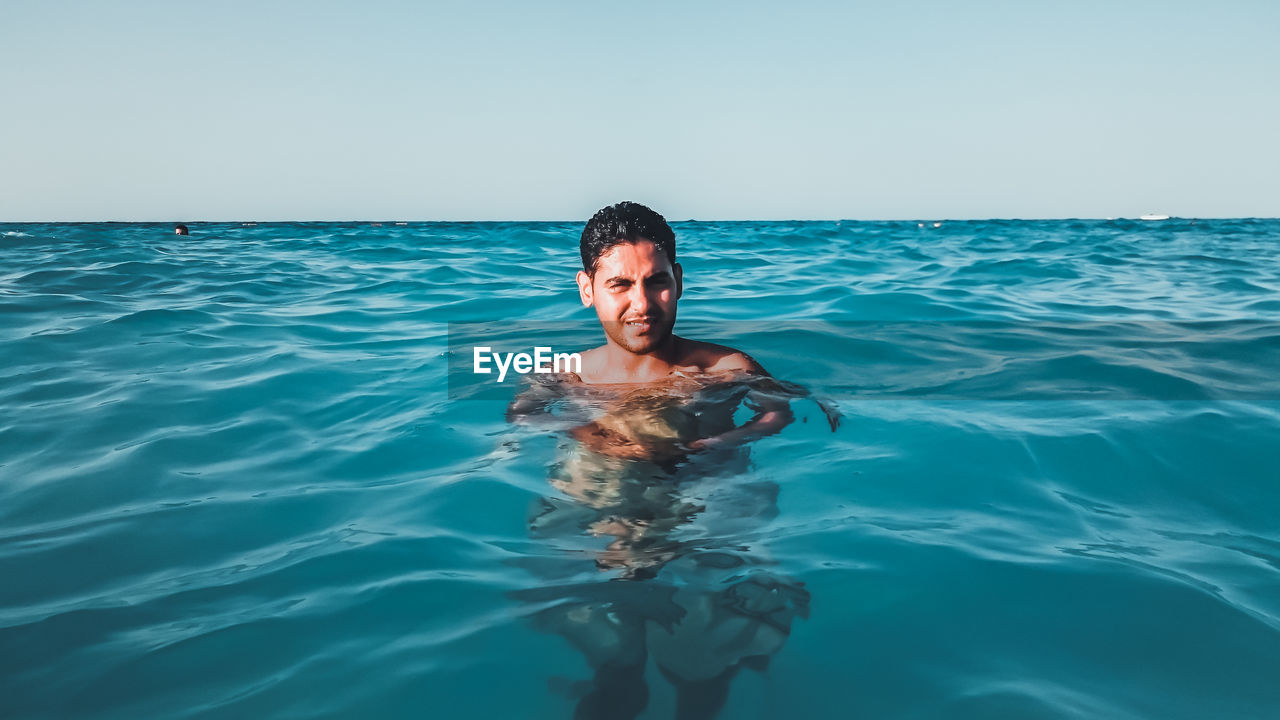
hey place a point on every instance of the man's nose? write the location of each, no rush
(640, 298)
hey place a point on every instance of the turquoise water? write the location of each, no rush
(236, 479)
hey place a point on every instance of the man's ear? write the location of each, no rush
(584, 288)
(679, 272)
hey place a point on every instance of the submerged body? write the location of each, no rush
(678, 577)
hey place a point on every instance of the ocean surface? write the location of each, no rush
(239, 480)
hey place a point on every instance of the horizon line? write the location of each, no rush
(922, 219)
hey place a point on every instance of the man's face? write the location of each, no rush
(634, 291)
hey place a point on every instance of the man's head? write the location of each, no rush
(630, 275)
(623, 223)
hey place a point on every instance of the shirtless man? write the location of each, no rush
(652, 432)
(631, 278)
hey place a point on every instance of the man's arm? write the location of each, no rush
(740, 362)
(772, 413)
(533, 404)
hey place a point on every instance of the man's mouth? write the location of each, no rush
(640, 325)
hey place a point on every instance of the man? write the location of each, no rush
(655, 474)
(631, 278)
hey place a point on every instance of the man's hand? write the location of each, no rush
(766, 423)
(601, 439)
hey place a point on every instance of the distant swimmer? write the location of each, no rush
(181, 229)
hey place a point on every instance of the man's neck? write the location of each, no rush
(645, 367)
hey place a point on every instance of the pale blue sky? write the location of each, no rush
(169, 110)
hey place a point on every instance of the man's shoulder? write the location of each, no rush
(713, 358)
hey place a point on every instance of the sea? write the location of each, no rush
(1030, 469)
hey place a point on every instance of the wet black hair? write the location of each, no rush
(182, 229)
(620, 223)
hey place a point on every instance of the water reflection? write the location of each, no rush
(652, 540)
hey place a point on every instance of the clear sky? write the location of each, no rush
(477, 110)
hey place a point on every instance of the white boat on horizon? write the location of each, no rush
(1150, 216)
